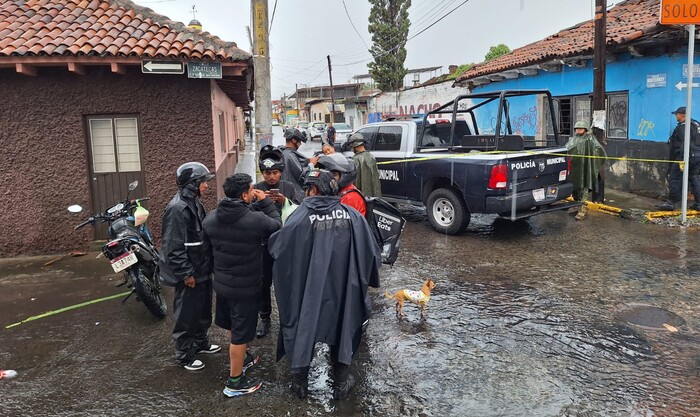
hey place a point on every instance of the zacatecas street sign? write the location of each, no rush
(162, 67)
(204, 70)
(680, 12)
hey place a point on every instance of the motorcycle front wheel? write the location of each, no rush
(149, 293)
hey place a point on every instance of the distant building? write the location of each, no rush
(414, 77)
(80, 118)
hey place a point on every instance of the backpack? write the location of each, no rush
(386, 224)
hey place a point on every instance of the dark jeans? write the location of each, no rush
(192, 314)
(266, 293)
(675, 181)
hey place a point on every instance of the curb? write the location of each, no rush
(635, 213)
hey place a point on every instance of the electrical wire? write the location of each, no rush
(274, 9)
(408, 39)
(353, 25)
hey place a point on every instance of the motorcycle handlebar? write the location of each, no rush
(85, 223)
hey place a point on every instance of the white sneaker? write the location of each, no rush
(195, 365)
(210, 349)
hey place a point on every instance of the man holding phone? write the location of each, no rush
(271, 164)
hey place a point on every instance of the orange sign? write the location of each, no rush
(680, 12)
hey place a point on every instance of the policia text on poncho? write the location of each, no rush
(325, 260)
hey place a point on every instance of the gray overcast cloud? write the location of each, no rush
(305, 31)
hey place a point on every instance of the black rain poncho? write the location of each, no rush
(325, 260)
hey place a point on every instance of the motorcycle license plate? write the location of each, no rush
(538, 194)
(124, 261)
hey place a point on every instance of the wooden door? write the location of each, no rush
(116, 160)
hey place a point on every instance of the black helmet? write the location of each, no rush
(271, 158)
(323, 180)
(193, 172)
(294, 133)
(338, 162)
(356, 140)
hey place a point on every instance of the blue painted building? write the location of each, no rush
(646, 66)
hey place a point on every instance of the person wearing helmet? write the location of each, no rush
(296, 165)
(185, 264)
(367, 172)
(587, 159)
(271, 164)
(326, 258)
(344, 171)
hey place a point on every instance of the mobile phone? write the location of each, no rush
(274, 191)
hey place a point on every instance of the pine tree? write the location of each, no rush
(388, 24)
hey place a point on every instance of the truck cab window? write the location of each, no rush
(388, 138)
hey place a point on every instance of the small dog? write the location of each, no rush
(419, 298)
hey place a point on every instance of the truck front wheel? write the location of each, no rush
(447, 212)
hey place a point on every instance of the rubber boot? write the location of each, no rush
(342, 382)
(263, 326)
(300, 382)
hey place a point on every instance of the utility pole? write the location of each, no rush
(261, 64)
(296, 98)
(599, 53)
(330, 76)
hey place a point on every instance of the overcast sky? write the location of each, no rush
(305, 31)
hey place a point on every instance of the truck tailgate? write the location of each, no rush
(537, 169)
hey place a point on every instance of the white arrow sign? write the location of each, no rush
(681, 85)
(163, 67)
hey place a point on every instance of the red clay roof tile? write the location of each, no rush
(102, 27)
(626, 20)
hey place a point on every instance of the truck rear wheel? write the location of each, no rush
(447, 212)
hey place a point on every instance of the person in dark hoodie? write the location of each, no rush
(235, 232)
(326, 258)
(271, 164)
(185, 264)
(296, 165)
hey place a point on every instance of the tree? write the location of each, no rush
(388, 24)
(496, 51)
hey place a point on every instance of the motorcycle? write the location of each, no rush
(130, 250)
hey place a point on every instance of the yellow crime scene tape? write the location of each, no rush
(460, 155)
(64, 309)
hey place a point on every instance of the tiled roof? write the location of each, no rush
(626, 21)
(103, 28)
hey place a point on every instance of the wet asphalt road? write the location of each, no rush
(522, 323)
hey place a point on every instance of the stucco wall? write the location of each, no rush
(226, 156)
(43, 147)
(418, 100)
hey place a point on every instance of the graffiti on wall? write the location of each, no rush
(645, 127)
(526, 122)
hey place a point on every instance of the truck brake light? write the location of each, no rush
(499, 177)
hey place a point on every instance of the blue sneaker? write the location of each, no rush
(242, 386)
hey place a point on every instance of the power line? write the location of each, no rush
(353, 25)
(409, 38)
(274, 9)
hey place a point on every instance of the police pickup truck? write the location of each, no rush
(480, 153)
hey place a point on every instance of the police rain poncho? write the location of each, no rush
(367, 175)
(325, 260)
(588, 157)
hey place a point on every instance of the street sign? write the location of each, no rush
(656, 80)
(204, 70)
(680, 12)
(162, 67)
(681, 85)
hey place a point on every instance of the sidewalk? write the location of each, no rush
(247, 163)
(635, 207)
